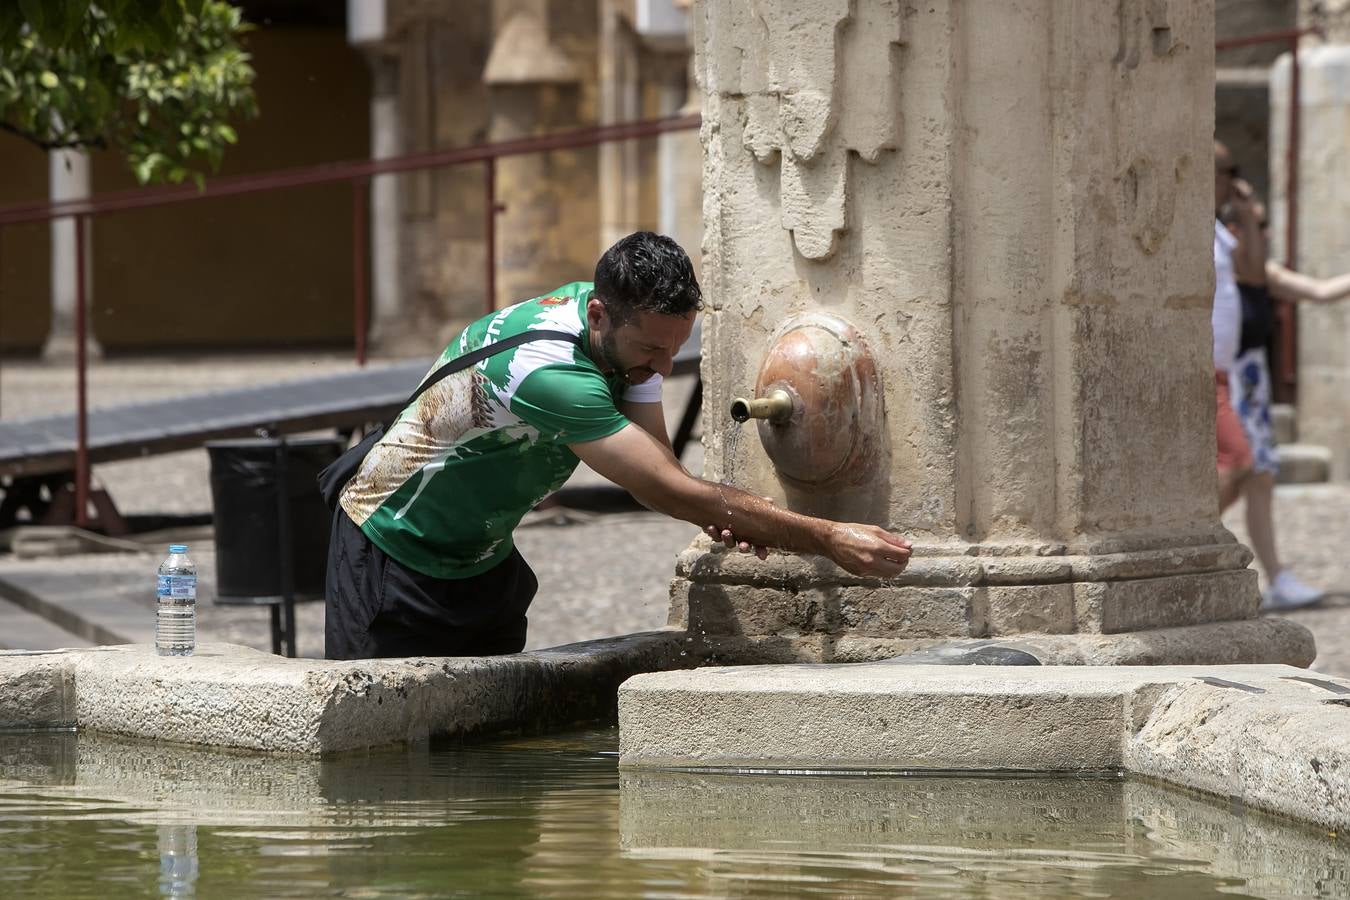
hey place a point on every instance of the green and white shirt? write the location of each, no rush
(444, 489)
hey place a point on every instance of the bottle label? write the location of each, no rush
(177, 587)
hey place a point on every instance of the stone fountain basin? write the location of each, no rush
(231, 696)
(1273, 737)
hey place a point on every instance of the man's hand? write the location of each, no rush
(726, 537)
(868, 550)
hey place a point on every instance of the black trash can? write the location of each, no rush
(248, 513)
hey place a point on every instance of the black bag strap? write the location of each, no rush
(475, 357)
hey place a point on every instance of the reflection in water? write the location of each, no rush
(955, 836)
(89, 817)
(177, 860)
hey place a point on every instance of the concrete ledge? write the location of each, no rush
(965, 565)
(1266, 640)
(1303, 464)
(36, 691)
(230, 696)
(1274, 737)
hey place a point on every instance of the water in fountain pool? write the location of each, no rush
(88, 816)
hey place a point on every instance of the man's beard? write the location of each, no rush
(609, 355)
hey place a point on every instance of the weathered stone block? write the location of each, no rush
(36, 691)
(1274, 737)
(1265, 640)
(1117, 606)
(868, 716)
(231, 696)
(1303, 464)
(1284, 423)
(739, 609)
(1044, 608)
(909, 612)
(1286, 749)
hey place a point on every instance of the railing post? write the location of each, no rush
(360, 249)
(81, 365)
(1287, 313)
(2, 275)
(1291, 162)
(490, 232)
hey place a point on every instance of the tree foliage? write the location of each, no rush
(158, 80)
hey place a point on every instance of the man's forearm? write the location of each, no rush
(749, 517)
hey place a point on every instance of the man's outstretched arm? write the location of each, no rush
(650, 417)
(636, 461)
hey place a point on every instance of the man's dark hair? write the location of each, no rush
(646, 272)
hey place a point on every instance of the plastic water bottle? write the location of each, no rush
(176, 616)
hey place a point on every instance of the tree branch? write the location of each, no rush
(94, 143)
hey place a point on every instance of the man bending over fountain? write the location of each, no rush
(421, 560)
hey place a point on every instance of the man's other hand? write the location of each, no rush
(868, 550)
(726, 537)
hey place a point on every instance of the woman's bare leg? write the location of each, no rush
(1259, 493)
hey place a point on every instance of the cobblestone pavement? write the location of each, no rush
(1312, 528)
(598, 574)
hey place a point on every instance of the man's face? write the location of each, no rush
(645, 346)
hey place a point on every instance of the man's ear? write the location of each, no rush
(596, 314)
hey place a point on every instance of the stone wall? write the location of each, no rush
(501, 71)
(1323, 238)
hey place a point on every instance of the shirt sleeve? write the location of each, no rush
(648, 391)
(567, 404)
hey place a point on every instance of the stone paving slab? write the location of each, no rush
(21, 629)
(1274, 737)
(231, 696)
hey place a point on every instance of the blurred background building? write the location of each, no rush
(376, 78)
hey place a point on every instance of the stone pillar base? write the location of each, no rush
(60, 348)
(1181, 604)
(1265, 641)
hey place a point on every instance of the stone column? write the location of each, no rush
(392, 323)
(68, 179)
(680, 170)
(620, 101)
(992, 242)
(388, 321)
(1323, 227)
(535, 89)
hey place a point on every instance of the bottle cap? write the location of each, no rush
(178, 548)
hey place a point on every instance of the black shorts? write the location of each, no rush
(377, 607)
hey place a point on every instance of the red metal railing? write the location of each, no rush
(359, 174)
(1286, 313)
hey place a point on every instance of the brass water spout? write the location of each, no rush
(776, 407)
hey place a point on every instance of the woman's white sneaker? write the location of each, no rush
(1287, 592)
